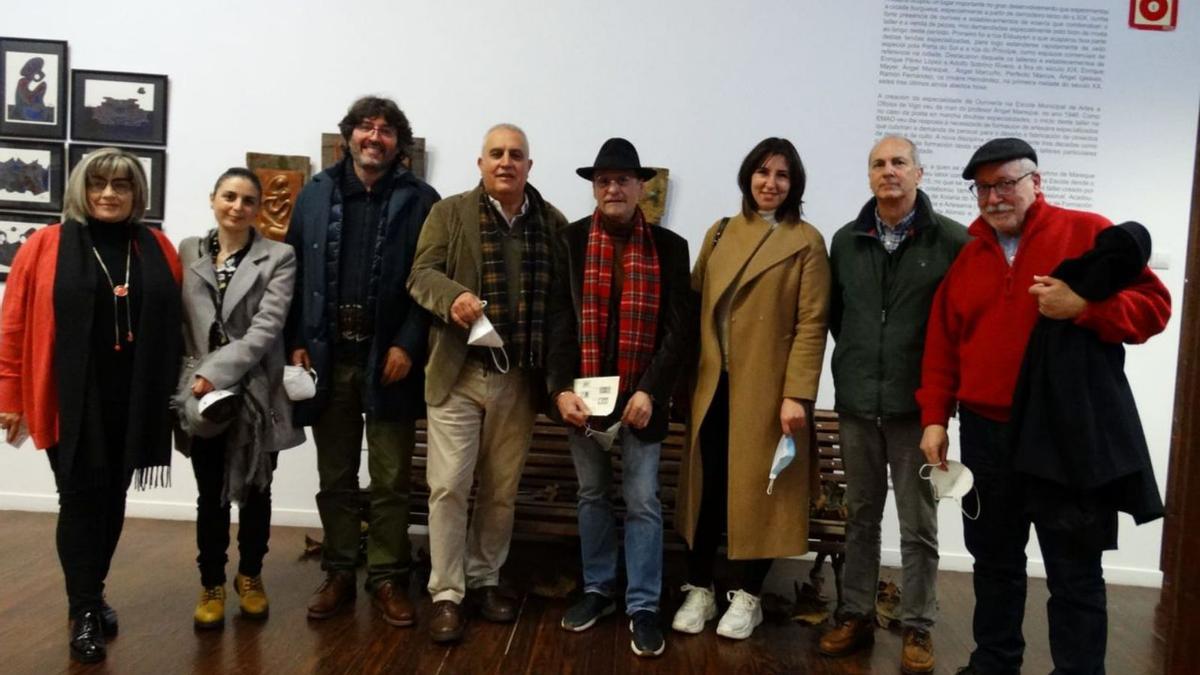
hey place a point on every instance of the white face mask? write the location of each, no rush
(300, 384)
(953, 483)
(483, 334)
(785, 452)
(606, 438)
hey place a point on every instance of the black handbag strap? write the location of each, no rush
(720, 231)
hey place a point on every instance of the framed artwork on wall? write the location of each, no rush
(15, 228)
(282, 176)
(33, 78)
(153, 161)
(654, 196)
(31, 176)
(111, 107)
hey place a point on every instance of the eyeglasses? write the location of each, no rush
(1003, 188)
(384, 131)
(622, 182)
(121, 186)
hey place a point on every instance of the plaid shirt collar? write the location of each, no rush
(891, 237)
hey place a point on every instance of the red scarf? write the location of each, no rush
(638, 304)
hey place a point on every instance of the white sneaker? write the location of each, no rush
(742, 617)
(699, 606)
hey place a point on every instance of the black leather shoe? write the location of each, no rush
(87, 637)
(108, 620)
(495, 605)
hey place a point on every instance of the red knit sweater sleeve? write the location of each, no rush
(1134, 315)
(19, 315)
(940, 363)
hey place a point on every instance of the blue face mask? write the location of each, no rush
(785, 452)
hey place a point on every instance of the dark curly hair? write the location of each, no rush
(374, 106)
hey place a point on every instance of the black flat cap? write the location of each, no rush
(619, 154)
(998, 150)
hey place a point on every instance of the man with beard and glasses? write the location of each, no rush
(980, 323)
(483, 260)
(355, 230)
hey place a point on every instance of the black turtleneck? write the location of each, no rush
(110, 369)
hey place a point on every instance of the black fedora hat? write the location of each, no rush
(617, 154)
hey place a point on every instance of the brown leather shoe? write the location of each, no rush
(494, 605)
(393, 604)
(447, 622)
(333, 594)
(848, 637)
(917, 655)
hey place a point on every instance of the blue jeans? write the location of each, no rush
(643, 519)
(1077, 609)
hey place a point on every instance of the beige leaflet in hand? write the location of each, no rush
(599, 393)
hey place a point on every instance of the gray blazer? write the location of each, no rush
(253, 313)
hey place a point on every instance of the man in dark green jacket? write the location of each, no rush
(887, 264)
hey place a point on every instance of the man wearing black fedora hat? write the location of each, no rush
(619, 305)
(979, 326)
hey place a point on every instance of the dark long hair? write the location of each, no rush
(790, 209)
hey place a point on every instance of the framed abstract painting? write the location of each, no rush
(33, 79)
(31, 176)
(111, 107)
(15, 228)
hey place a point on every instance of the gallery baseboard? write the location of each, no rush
(144, 508)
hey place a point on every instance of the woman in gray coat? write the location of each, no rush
(237, 287)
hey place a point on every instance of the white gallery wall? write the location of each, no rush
(694, 85)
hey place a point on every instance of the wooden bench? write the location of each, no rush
(546, 496)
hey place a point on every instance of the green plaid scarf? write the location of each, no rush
(524, 337)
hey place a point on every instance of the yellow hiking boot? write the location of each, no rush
(253, 596)
(210, 608)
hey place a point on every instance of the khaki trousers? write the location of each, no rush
(482, 429)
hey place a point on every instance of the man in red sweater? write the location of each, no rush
(978, 328)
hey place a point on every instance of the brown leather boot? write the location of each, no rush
(848, 637)
(447, 623)
(917, 655)
(337, 591)
(393, 604)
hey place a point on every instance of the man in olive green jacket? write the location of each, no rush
(886, 266)
(487, 247)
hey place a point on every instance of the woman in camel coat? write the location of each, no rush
(763, 277)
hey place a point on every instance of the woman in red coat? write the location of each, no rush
(86, 376)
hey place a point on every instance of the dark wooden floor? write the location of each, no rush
(154, 583)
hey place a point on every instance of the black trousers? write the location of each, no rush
(91, 514)
(212, 516)
(1077, 610)
(747, 575)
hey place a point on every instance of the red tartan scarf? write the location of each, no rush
(639, 302)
